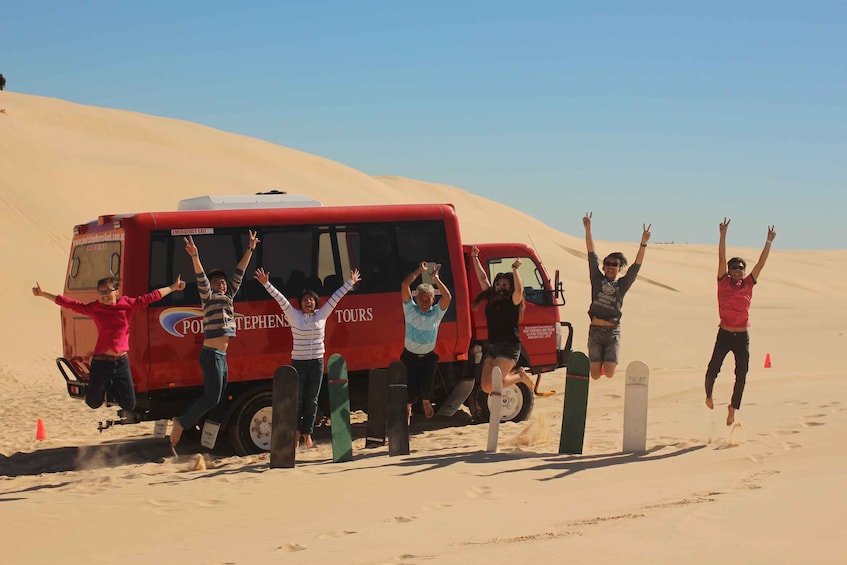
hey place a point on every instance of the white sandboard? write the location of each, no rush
(495, 403)
(635, 408)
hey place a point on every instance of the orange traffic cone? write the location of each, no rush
(40, 433)
(767, 361)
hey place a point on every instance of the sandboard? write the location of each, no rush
(398, 422)
(635, 408)
(495, 404)
(457, 397)
(576, 403)
(339, 403)
(377, 426)
(284, 417)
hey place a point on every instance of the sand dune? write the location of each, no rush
(769, 490)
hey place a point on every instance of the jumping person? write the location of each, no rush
(504, 306)
(218, 327)
(109, 375)
(735, 292)
(308, 330)
(422, 321)
(607, 293)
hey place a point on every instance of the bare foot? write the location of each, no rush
(296, 440)
(307, 441)
(730, 416)
(709, 402)
(428, 409)
(176, 431)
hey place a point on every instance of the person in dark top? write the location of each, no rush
(607, 292)
(2, 82)
(735, 292)
(504, 306)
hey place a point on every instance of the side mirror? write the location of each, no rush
(558, 290)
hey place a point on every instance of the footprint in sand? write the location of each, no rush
(336, 534)
(480, 492)
(791, 445)
(211, 503)
(436, 506)
(401, 519)
(410, 558)
(812, 424)
(291, 547)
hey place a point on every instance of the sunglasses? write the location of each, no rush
(106, 291)
(736, 267)
(611, 264)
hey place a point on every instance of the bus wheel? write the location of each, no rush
(250, 427)
(518, 402)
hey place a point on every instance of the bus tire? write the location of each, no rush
(518, 402)
(250, 427)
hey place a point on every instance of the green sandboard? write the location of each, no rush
(339, 403)
(576, 403)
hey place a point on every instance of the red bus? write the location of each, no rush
(303, 245)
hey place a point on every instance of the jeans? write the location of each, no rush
(215, 370)
(310, 373)
(420, 370)
(112, 379)
(739, 344)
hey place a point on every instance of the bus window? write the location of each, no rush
(533, 284)
(93, 262)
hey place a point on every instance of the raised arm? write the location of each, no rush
(178, 284)
(446, 297)
(760, 264)
(645, 237)
(248, 253)
(517, 293)
(589, 240)
(194, 253)
(264, 278)
(481, 275)
(36, 291)
(722, 248)
(405, 286)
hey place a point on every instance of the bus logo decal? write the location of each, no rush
(169, 318)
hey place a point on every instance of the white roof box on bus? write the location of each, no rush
(273, 199)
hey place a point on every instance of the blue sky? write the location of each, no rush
(671, 113)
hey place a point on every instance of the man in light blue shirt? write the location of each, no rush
(422, 321)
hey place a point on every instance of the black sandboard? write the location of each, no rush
(284, 417)
(377, 425)
(398, 423)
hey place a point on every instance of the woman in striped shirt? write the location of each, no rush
(308, 330)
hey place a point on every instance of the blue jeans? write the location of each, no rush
(310, 373)
(110, 378)
(215, 370)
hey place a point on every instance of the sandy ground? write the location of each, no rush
(770, 489)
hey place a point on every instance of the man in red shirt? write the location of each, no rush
(111, 313)
(735, 292)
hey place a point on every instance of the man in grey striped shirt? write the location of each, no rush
(218, 326)
(308, 330)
